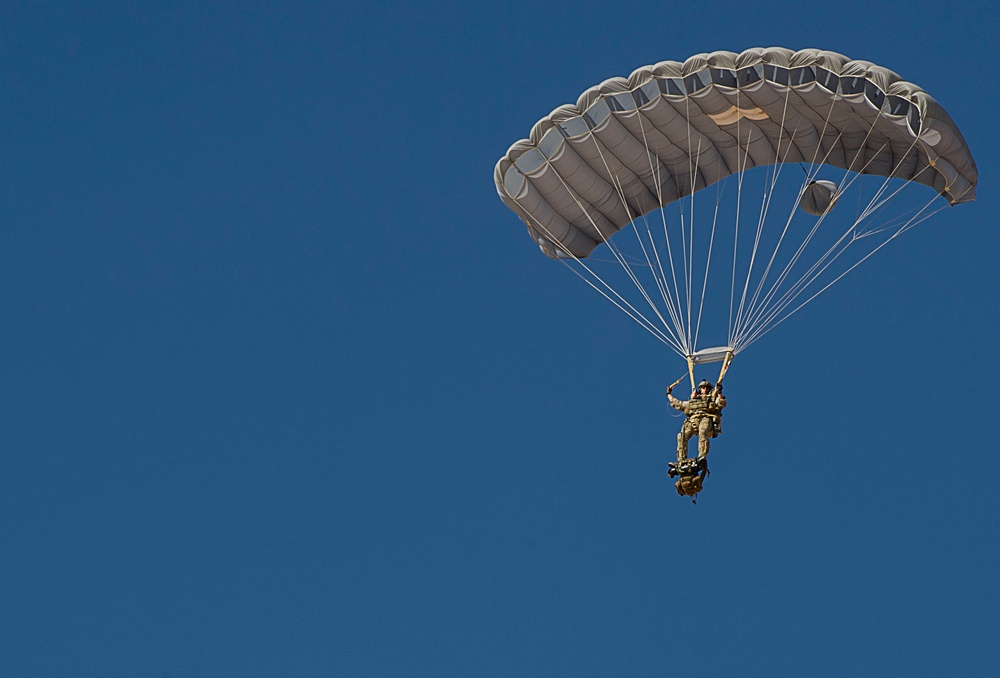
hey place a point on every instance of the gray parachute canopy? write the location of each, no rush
(632, 145)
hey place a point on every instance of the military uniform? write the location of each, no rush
(704, 417)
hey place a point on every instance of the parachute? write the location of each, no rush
(691, 160)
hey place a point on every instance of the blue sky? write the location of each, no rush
(287, 390)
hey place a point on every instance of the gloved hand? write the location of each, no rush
(718, 387)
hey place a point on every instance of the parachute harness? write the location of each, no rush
(693, 472)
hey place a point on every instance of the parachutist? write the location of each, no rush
(704, 419)
(570, 209)
(571, 213)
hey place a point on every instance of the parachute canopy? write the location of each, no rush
(724, 113)
(639, 152)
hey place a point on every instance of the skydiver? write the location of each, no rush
(704, 419)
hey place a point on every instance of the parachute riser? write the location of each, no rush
(726, 362)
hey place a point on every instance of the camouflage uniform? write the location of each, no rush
(704, 416)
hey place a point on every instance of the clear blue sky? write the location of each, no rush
(287, 391)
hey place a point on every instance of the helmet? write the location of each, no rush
(705, 383)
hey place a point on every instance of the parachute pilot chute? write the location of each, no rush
(818, 197)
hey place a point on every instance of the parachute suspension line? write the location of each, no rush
(887, 226)
(745, 319)
(810, 174)
(685, 250)
(673, 271)
(775, 172)
(801, 284)
(652, 270)
(769, 322)
(864, 146)
(796, 288)
(687, 235)
(849, 179)
(628, 270)
(769, 194)
(624, 306)
(746, 322)
(755, 310)
(913, 221)
(670, 299)
(812, 232)
(819, 143)
(788, 268)
(876, 203)
(792, 293)
(634, 314)
(621, 302)
(661, 279)
(739, 203)
(673, 302)
(755, 328)
(761, 216)
(692, 342)
(767, 270)
(686, 276)
(708, 261)
(752, 308)
(614, 250)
